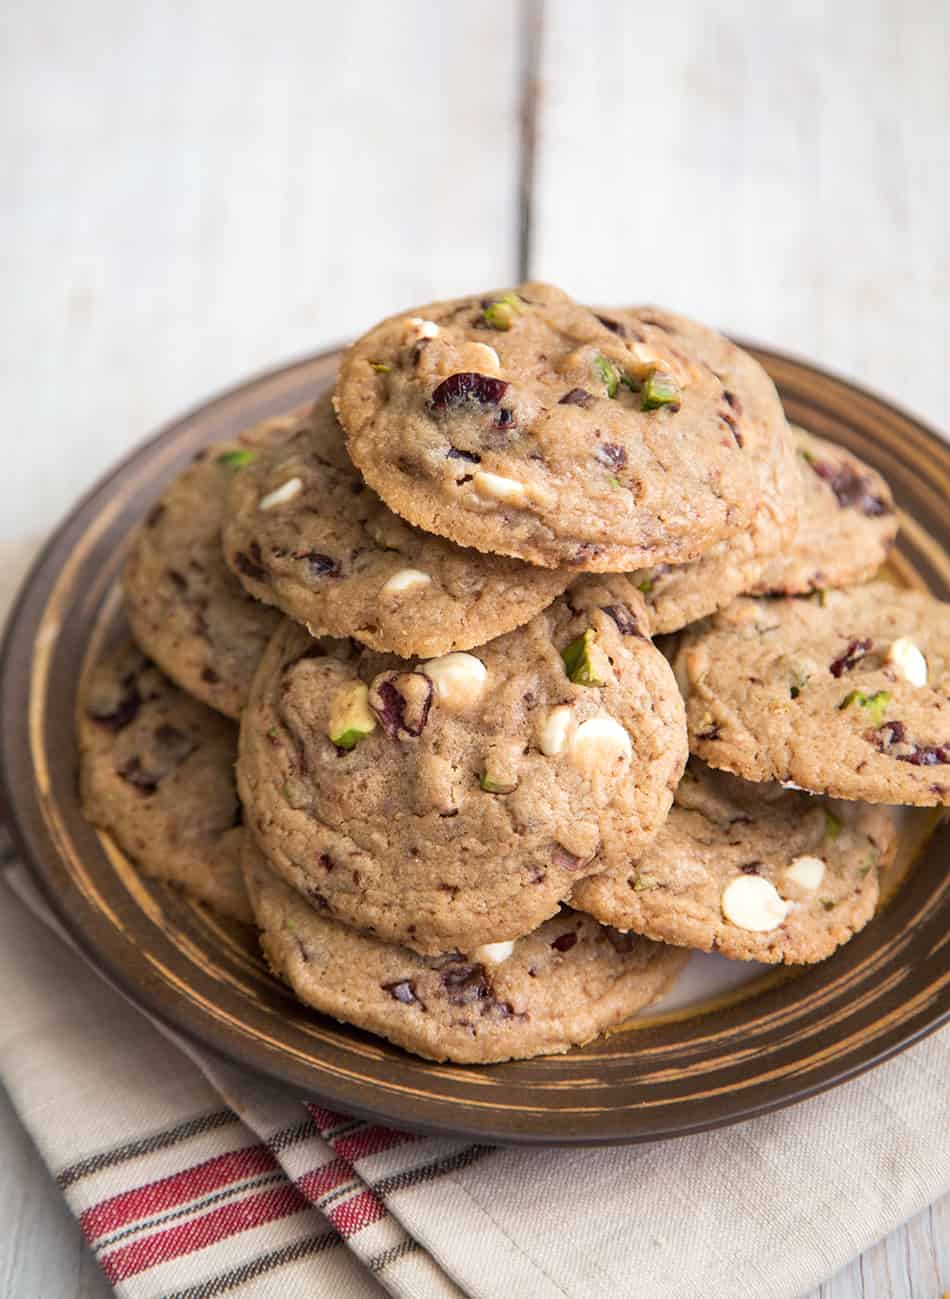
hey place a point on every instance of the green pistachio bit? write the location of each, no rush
(659, 389)
(381, 367)
(806, 456)
(643, 883)
(236, 459)
(646, 586)
(615, 481)
(350, 716)
(822, 597)
(609, 373)
(493, 785)
(827, 903)
(832, 825)
(629, 381)
(799, 682)
(580, 660)
(501, 313)
(876, 704)
(273, 733)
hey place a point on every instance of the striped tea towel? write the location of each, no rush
(192, 1178)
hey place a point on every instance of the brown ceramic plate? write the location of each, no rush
(780, 1038)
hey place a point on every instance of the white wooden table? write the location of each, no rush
(195, 191)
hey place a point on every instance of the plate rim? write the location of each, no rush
(187, 1019)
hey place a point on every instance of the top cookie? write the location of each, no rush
(305, 533)
(457, 801)
(840, 536)
(847, 524)
(186, 609)
(847, 693)
(525, 424)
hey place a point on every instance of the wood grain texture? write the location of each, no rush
(175, 176)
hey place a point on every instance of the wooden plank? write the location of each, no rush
(782, 171)
(195, 192)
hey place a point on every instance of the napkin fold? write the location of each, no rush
(192, 1178)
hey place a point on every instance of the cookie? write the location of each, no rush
(847, 524)
(559, 987)
(756, 872)
(157, 772)
(525, 424)
(456, 801)
(841, 535)
(185, 607)
(845, 693)
(304, 533)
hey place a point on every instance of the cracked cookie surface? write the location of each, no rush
(754, 871)
(523, 423)
(560, 986)
(458, 800)
(157, 772)
(845, 693)
(334, 557)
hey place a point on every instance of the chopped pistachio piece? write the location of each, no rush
(609, 373)
(584, 660)
(832, 825)
(875, 705)
(659, 389)
(236, 459)
(646, 585)
(643, 883)
(381, 367)
(350, 716)
(501, 313)
(493, 784)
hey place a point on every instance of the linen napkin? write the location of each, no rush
(192, 1178)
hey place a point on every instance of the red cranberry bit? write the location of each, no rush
(403, 991)
(401, 703)
(627, 624)
(565, 942)
(845, 662)
(608, 453)
(318, 565)
(576, 397)
(505, 418)
(468, 389)
(733, 427)
(465, 984)
(853, 491)
(566, 860)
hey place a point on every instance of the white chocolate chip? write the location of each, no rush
(496, 488)
(493, 953)
(752, 902)
(485, 359)
(598, 745)
(554, 730)
(407, 579)
(907, 660)
(281, 495)
(419, 328)
(806, 872)
(458, 679)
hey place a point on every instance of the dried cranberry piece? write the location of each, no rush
(733, 427)
(565, 942)
(608, 453)
(614, 326)
(504, 418)
(750, 867)
(319, 565)
(627, 624)
(566, 860)
(926, 755)
(465, 983)
(854, 491)
(116, 710)
(401, 703)
(845, 662)
(403, 991)
(468, 389)
(890, 733)
(454, 453)
(246, 565)
(576, 397)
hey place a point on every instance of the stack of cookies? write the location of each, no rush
(477, 810)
